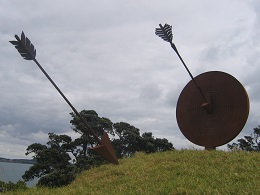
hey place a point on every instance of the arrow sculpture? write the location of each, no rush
(28, 52)
(165, 32)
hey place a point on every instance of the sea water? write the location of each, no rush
(13, 172)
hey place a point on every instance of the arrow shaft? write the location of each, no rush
(175, 49)
(68, 102)
(199, 89)
(28, 52)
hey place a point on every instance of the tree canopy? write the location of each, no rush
(52, 162)
(59, 161)
(130, 141)
(248, 143)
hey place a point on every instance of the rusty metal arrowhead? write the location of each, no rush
(106, 149)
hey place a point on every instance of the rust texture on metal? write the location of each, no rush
(226, 114)
(28, 52)
(106, 149)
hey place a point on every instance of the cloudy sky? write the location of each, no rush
(105, 57)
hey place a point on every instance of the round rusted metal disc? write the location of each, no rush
(230, 109)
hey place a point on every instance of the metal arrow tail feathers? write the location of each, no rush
(28, 52)
(24, 47)
(165, 32)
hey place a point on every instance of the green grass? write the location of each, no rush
(173, 172)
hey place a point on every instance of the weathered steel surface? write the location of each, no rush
(221, 118)
(106, 150)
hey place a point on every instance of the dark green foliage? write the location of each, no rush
(151, 145)
(54, 165)
(96, 123)
(84, 157)
(10, 186)
(130, 141)
(51, 161)
(58, 177)
(248, 143)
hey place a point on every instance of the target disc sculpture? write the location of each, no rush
(213, 107)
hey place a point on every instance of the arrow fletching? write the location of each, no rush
(24, 47)
(165, 32)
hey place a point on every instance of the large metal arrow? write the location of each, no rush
(28, 52)
(165, 32)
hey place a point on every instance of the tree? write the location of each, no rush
(248, 143)
(85, 157)
(52, 164)
(151, 145)
(130, 141)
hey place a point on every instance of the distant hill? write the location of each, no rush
(23, 161)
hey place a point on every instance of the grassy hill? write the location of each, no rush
(173, 172)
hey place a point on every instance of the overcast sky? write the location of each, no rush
(105, 56)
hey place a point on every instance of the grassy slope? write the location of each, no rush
(174, 172)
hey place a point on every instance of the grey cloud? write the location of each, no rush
(151, 92)
(105, 56)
